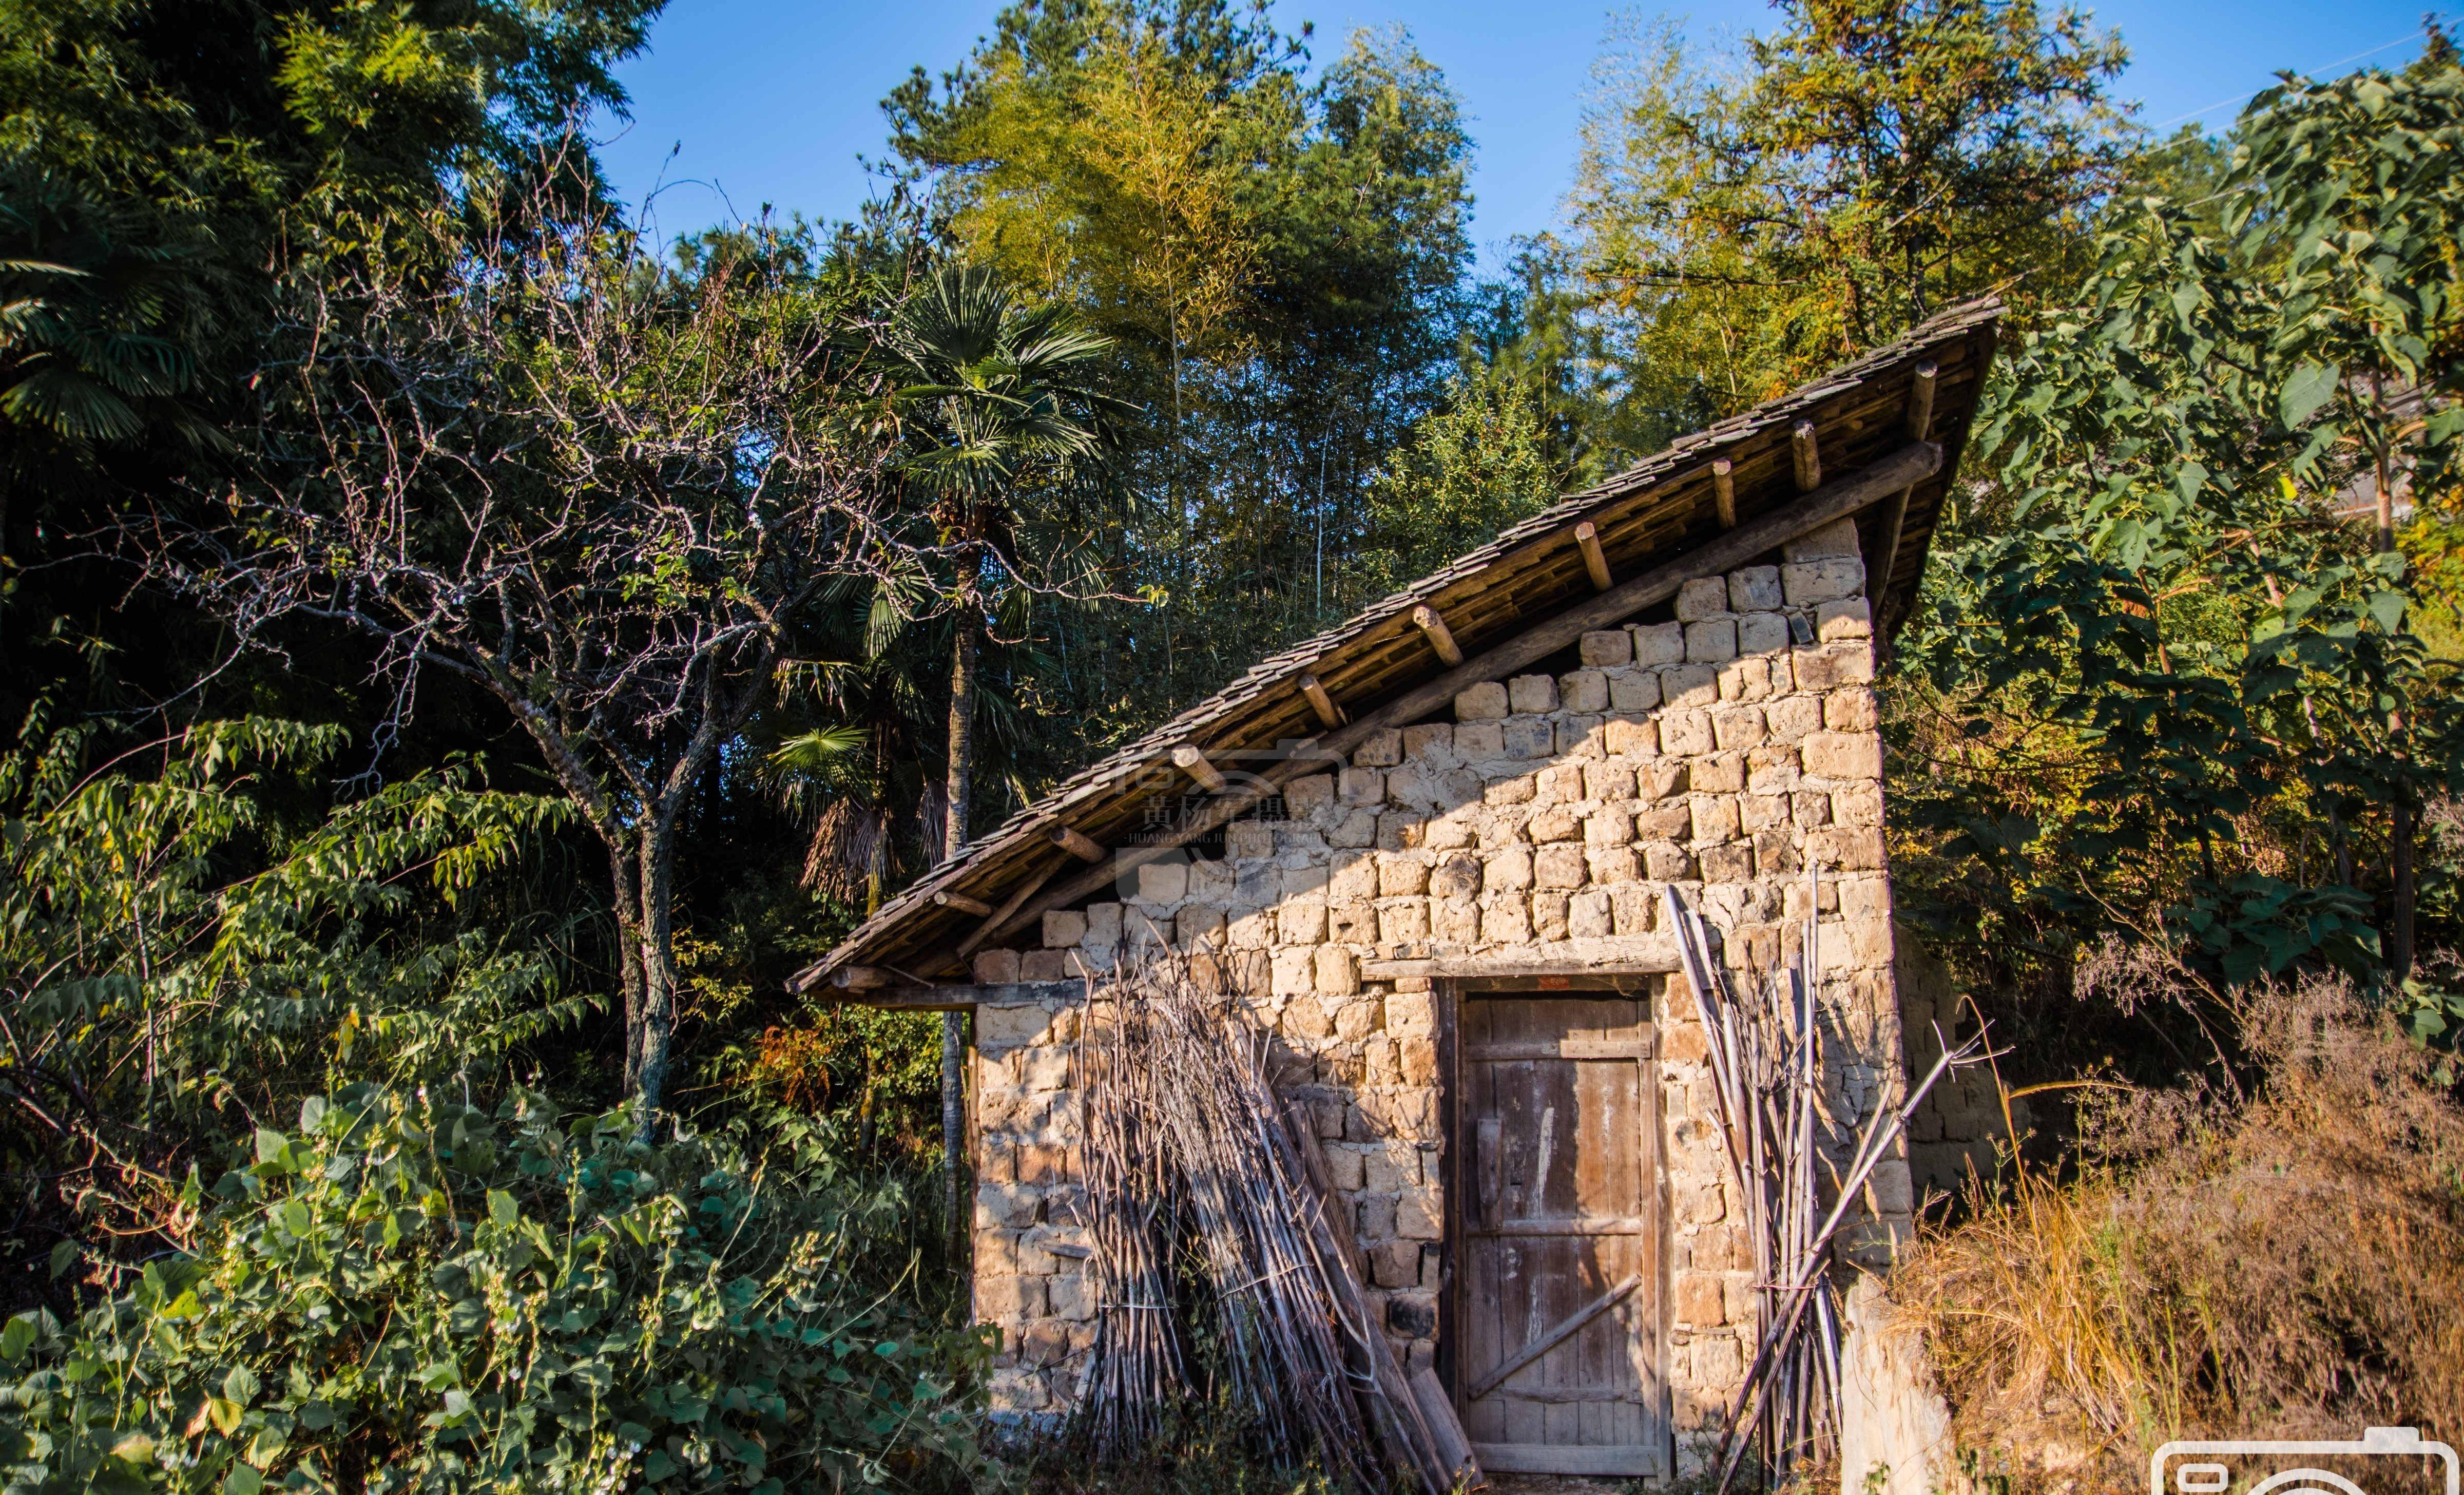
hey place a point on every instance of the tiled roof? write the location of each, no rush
(1649, 513)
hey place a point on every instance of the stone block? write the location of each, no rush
(1667, 864)
(1403, 920)
(1630, 737)
(1011, 1205)
(1688, 686)
(1701, 1301)
(1418, 1215)
(1809, 809)
(1360, 786)
(1382, 748)
(1401, 876)
(1711, 642)
(1857, 803)
(1350, 923)
(1429, 741)
(1411, 1015)
(1611, 864)
(1702, 598)
(1305, 796)
(1456, 877)
(1685, 1042)
(1825, 667)
(1044, 965)
(1248, 840)
(1481, 741)
(1850, 711)
(1844, 755)
(1657, 644)
(1812, 582)
(1337, 974)
(994, 967)
(1559, 865)
(1714, 817)
(1608, 647)
(1847, 848)
(1757, 812)
(1745, 680)
(1608, 781)
(1633, 689)
(999, 1029)
(1761, 633)
(1072, 1298)
(1608, 828)
(1732, 863)
(1724, 773)
(1847, 618)
(1300, 921)
(1670, 820)
(1531, 693)
(1584, 690)
(1295, 974)
(1163, 882)
(1832, 541)
(1737, 728)
(1587, 915)
(1504, 919)
(1581, 737)
(1528, 737)
(1064, 929)
(1685, 733)
(1486, 701)
(1198, 926)
(1789, 718)
(1396, 1264)
(1412, 1315)
(1508, 870)
(1012, 1390)
(1556, 823)
(1353, 874)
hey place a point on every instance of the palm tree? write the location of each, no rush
(995, 404)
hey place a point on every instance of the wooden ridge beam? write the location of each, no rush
(1905, 468)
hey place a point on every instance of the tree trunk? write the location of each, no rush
(2399, 947)
(627, 908)
(658, 966)
(954, 839)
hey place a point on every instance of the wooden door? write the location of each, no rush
(1558, 1215)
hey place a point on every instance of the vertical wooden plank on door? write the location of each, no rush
(1557, 1219)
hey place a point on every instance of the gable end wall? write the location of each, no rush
(1716, 753)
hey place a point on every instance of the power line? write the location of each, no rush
(2329, 68)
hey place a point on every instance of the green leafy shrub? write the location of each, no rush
(413, 1294)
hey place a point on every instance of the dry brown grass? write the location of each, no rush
(2290, 1264)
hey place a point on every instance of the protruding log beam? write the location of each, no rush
(1441, 639)
(1809, 457)
(1329, 713)
(962, 903)
(859, 978)
(1587, 535)
(1191, 761)
(1921, 403)
(1723, 492)
(1083, 846)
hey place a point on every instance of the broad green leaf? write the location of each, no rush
(2310, 386)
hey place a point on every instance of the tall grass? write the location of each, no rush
(2286, 1262)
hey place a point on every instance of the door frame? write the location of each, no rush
(1449, 995)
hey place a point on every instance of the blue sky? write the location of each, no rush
(741, 103)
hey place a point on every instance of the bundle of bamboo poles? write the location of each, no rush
(1186, 1150)
(1767, 1071)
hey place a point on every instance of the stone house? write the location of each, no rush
(1427, 851)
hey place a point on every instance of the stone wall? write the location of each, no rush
(1716, 750)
